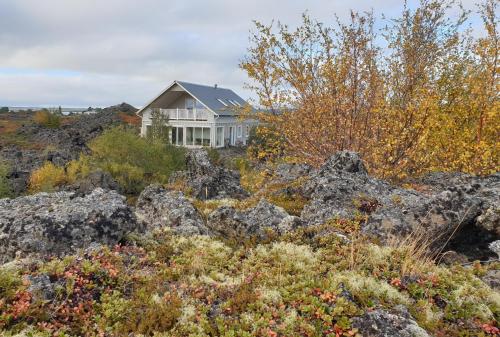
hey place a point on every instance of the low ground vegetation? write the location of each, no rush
(302, 284)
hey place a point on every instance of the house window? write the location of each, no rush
(148, 130)
(190, 103)
(189, 136)
(177, 136)
(198, 136)
(247, 131)
(220, 100)
(219, 137)
(239, 131)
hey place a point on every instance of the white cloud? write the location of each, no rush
(128, 50)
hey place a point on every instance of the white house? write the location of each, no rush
(200, 115)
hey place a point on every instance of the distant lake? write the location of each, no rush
(65, 111)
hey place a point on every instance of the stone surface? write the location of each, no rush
(157, 207)
(255, 221)
(382, 323)
(60, 223)
(208, 181)
(463, 207)
(94, 180)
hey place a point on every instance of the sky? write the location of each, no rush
(80, 53)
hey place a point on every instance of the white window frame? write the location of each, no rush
(220, 100)
(240, 131)
(247, 131)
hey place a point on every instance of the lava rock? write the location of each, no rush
(59, 223)
(157, 207)
(465, 209)
(92, 181)
(381, 323)
(253, 222)
(208, 181)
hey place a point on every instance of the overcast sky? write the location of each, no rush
(102, 52)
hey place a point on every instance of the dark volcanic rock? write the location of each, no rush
(466, 209)
(157, 207)
(123, 107)
(94, 180)
(59, 223)
(230, 222)
(208, 181)
(381, 323)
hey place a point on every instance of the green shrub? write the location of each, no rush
(135, 162)
(4, 109)
(47, 119)
(213, 155)
(5, 187)
(47, 178)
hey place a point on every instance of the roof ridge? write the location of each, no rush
(203, 85)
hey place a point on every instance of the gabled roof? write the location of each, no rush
(209, 96)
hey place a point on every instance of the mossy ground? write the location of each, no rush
(310, 282)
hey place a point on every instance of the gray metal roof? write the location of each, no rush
(210, 95)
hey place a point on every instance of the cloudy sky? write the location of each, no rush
(102, 52)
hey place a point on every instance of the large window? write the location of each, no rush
(178, 136)
(198, 136)
(219, 137)
(239, 131)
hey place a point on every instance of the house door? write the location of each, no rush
(231, 135)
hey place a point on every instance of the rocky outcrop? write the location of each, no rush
(57, 145)
(122, 107)
(381, 323)
(60, 223)
(253, 222)
(208, 181)
(96, 179)
(466, 209)
(157, 207)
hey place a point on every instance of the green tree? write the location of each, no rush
(160, 129)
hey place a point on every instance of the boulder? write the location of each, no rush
(59, 223)
(255, 221)
(463, 207)
(208, 181)
(381, 323)
(94, 180)
(157, 207)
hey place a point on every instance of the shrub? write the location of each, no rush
(5, 188)
(265, 143)
(4, 109)
(134, 161)
(213, 155)
(47, 119)
(47, 178)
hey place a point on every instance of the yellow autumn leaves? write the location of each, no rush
(426, 98)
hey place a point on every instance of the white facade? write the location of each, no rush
(193, 124)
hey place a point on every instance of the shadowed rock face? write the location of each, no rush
(342, 188)
(208, 181)
(157, 207)
(60, 223)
